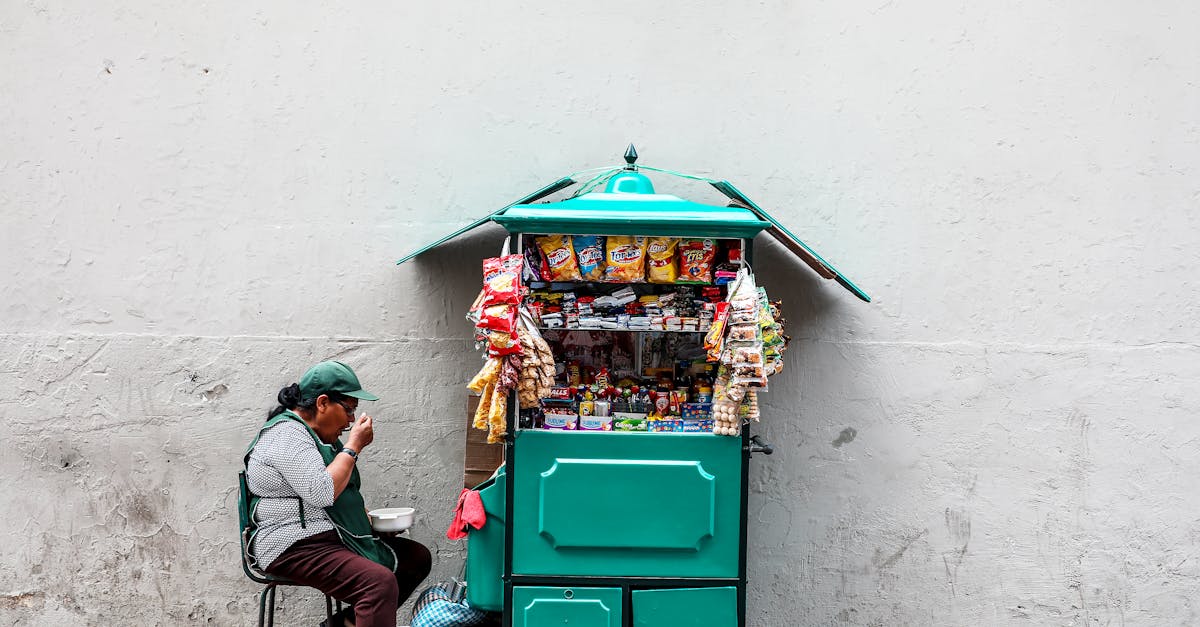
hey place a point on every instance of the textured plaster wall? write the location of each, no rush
(198, 200)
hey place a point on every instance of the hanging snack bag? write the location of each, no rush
(696, 258)
(589, 251)
(625, 260)
(715, 338)
(661, 265)
(502, 280)
(560, 258)
(501, 317)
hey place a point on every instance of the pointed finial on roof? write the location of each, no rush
(630, 156)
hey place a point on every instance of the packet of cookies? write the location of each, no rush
(696, 258)
(560, 258)
(625, 260)
(661, 264)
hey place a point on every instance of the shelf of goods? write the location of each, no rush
(626, 341)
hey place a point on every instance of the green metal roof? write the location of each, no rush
(629, 206)
(790, 241)
(632, 214)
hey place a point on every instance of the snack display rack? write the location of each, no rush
(609, 528)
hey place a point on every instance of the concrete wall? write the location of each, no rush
(198, 200)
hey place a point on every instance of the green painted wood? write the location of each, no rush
(685, 607)
(632, 214)
(626, 504)
(680, 518)
(539, 606)
(485, 550)
(541, 193)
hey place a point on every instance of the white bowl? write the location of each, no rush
(391, 519)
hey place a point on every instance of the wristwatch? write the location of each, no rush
(351, 452)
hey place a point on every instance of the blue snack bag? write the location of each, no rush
(589, 250)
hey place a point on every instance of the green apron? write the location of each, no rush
(348, 511)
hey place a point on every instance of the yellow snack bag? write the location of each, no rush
(625, 259)
(661, 263)
(560, 257)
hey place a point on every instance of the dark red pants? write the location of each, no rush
(324, 563)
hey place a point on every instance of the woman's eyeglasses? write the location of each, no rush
(349, 410)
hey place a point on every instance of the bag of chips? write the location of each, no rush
(560, 258)
(589, 251)
(625, 260)
(661, 265)
(696, 258)
(501, 317)
(502, 280)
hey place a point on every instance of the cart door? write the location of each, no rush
(538, 606)
(626, 504)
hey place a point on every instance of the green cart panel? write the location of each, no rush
(485, 550)
(685, 607)
(626, 504)
(535, 606)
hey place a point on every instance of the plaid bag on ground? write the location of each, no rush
(436, 607)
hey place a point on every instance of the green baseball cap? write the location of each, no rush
(332, 377)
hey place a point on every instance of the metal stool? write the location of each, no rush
(266, 598)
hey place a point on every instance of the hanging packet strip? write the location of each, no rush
(661, 265)
(625, 259)
(560, 257)
(589, 252)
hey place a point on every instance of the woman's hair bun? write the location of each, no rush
(290, 395)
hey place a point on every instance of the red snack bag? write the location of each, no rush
(714, 340)
(501, 344)
(502, 280)
(696, 258)
(501, 317)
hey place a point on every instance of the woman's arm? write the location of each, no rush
(361, 436)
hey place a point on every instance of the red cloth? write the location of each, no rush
(468, 513)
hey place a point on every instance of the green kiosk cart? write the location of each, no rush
(609, 528)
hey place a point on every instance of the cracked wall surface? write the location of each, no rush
(199, 201)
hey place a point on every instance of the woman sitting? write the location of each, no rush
(310, 522)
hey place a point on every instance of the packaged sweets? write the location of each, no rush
(560, 258)
(589, 252)
(715, 338)
(696, 258)
(535, 264)
(502, 280)
(625, 259)
(661, 263)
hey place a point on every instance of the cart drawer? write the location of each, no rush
(535, 606)
(626, 504)
(685, 607)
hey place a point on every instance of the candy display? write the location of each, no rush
(698, 357)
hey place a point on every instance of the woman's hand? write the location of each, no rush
(361, 434)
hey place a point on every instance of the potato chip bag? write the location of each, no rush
(560, 258)
(661, 266)
(625, 259)
(696, 258)
(502, 279)
(589, 251)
